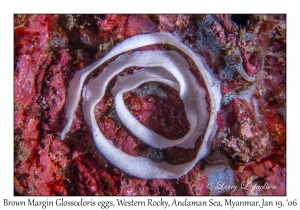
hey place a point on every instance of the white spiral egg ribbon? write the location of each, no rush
(201, 122)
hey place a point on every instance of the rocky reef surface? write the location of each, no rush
(246, 53)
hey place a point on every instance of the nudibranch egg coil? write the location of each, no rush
(168, 67)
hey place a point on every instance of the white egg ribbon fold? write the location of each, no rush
(174, 71)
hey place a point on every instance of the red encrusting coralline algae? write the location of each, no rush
(247, 54)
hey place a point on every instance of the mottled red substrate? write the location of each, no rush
(252, 134)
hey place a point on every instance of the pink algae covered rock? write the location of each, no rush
(167, 22)
(55, 92)
(31, 60)
(262, 178)
(244, 140)
(42, 174)
(140, 24)
(87, 178)
(251, 135)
